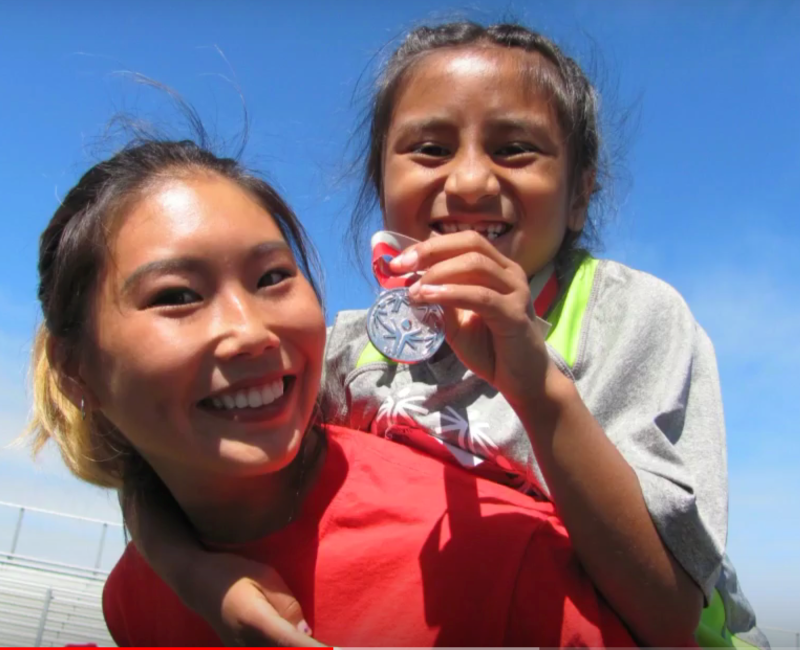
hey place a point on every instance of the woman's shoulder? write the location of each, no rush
(397, 470)
(122, 593)
(140, 609)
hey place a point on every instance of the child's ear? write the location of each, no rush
(67, 369)
(382, 200)
(580, 200)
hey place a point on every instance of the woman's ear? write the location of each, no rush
(580, 200)
(68, 375)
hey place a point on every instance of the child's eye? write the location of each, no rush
(515, 149)
(175, 297)
(271, 278)
(432, 149)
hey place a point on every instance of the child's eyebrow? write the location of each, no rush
(521, 123)
(540, 128)
(536, 126)
(421, 125)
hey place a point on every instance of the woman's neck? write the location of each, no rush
(239, 510)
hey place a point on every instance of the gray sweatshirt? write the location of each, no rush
(642, 365)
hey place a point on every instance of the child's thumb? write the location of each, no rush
(264, 627)
(282, 600)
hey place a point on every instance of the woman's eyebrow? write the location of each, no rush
(267, 247)
(162, 267)
(194, 265)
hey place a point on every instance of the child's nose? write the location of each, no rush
(472, 178)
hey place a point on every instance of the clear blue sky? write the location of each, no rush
(709, 199)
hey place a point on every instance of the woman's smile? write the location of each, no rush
(263, 400)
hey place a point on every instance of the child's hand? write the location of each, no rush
(248, 604)
(488, 309)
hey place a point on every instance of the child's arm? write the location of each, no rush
(490, 326)
(599, 497)
(246, 603)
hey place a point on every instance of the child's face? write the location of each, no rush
(202, 304)
(473, 144)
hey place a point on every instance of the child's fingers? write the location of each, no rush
(280, 598)
(260, 625)
(470, 268)
(434, 250)
(491, 305)
(257, 607)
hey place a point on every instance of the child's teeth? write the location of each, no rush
(228, 401)
(217, 402)
(241, 400)
(267, 396)
(277, 388)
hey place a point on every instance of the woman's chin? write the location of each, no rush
(252, 457)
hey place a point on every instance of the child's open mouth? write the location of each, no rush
(489, 229)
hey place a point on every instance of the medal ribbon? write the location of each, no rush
(385, 247)
(543, 300)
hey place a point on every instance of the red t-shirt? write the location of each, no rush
(393, 547)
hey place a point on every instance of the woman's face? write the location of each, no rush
(207, 340)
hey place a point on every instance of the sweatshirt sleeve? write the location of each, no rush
(648, 373)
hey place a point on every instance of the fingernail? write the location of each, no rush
(303, 627)
(408, 260)
(413, 290)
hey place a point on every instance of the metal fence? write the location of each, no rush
(58, 537)
(52, 572)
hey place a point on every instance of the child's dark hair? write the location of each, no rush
(72, 251)
(573, 96)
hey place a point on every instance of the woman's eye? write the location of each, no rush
(271, 278)
(432, 149)
(515, 149)
(175, 297)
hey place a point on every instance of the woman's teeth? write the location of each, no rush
(491, 231)
(250, 397)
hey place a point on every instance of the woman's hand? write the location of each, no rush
(489, 317)
(248, 604)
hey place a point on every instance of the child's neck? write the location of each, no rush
(240, 510)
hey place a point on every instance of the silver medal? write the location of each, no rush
(404, 331)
